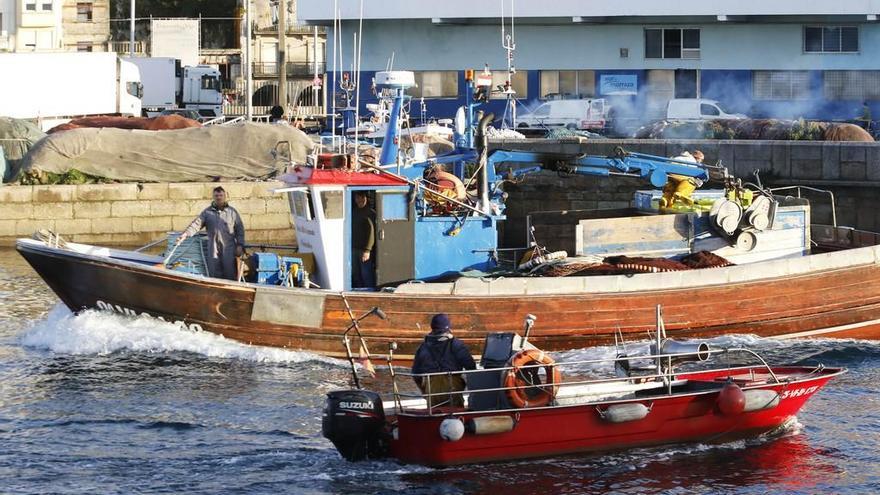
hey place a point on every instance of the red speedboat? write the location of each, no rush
(520, 406)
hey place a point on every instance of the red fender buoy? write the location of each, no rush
(731, 399)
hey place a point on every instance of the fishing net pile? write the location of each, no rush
(17, 136)
(563, 133)
(234, 152)
(160, 123)
(764, 129)
(624, 265)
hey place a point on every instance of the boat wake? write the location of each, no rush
(96, 332)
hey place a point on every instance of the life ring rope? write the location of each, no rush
(518, 386)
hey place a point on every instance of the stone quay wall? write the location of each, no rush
(135, 214)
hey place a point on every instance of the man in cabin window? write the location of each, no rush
(442, 352)
(363, 240)
(225, 236)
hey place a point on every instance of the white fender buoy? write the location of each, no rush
(487, 425)
(758, 400)
(451, 429)
(621, 413)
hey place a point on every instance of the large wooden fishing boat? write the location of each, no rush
(432, 225)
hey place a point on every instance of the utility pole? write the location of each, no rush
(131, 31)
(282, 55)
(247, 64)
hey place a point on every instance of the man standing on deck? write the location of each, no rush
(442, 352)
(225, 236)
(363, 239)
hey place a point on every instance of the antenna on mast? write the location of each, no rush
(508, 42)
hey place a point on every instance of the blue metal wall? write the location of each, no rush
(439, 254)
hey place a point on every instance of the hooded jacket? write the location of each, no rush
(442, 352)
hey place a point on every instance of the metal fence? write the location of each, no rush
(304, 100)
(295, 69)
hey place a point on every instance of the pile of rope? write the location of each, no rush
(626, 265)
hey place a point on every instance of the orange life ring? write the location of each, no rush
(518, 387)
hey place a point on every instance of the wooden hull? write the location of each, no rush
(828, 295)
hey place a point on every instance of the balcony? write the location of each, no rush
(123, 47)
(293, 27)
(294, 69)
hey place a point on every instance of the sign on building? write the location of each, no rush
(176, 38)
(618, 84)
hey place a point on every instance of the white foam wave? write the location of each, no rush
(95, 332)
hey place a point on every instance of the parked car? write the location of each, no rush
(698, 109)
(588, 114)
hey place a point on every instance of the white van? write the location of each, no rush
(572, 114)
(698, 109)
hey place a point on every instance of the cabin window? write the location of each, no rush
(781, 84)
(851, 84)
(331, 201)
(210, 82)
(672, 43)
(561, 84)
(395, 207)
(519, 82)
(435, 84)
(301, 204)
(831, 39)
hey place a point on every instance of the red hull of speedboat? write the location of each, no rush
(688, 417)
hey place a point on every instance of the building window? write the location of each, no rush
(672, 43)
(568, 84)
(435, 84)
(47, 6)
(83, 46)
(831, 39)
(519, 81)
(781, 85)
(851, 84)
(84, 12)
(30, 6)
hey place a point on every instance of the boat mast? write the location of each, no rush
(508, 42)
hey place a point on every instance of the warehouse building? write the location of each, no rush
(773, 58)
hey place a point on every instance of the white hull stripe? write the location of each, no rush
(823, 331)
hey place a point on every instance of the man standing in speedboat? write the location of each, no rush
(225, 236)
(442, 352)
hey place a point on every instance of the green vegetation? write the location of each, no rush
(215, 33)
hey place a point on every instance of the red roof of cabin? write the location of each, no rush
(316, 176)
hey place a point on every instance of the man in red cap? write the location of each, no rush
(441, 352)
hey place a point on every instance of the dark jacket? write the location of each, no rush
(363, 231)
(442, 352)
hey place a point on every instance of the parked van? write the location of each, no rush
(698, 109)
(572, 114)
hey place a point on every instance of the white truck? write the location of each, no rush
(698, 109)
(168, 86)
(54, 88)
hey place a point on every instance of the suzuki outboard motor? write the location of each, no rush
(354, 421)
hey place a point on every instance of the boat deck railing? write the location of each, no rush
(663, 376)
